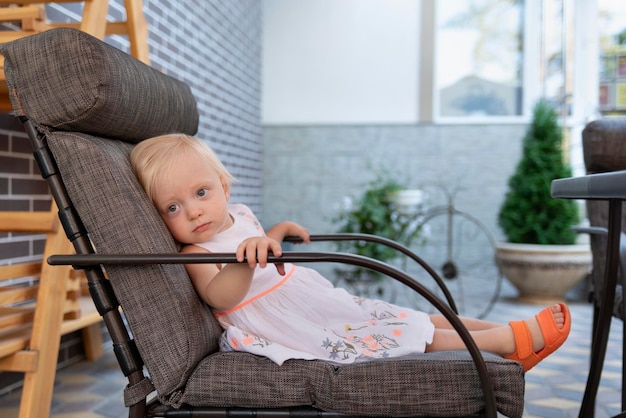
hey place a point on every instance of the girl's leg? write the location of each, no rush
(489, 336)
(499, 340)
(471, 324)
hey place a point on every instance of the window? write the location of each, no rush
(612, 28)
(479, 58)
(556, 63)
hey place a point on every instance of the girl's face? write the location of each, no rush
(193, 201)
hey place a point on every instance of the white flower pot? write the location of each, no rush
(543, 273)
(408, 201)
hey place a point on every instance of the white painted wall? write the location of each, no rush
(340, 62)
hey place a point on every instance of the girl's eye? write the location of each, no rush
(172, 208)
(202, 192)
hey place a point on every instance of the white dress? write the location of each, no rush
(302, 316)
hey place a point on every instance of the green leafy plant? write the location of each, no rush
(529, 214)
(374, 212)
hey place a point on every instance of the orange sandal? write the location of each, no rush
(554, 337)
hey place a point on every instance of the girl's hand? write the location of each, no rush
(256, 251)
(284, 229)
(300, 232)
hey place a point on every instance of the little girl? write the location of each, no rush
(289, 311)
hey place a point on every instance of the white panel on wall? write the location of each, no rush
(340, 61)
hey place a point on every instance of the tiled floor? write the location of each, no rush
(83, 390)
(554, 389)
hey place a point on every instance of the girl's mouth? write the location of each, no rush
(202, 227)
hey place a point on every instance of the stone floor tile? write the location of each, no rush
(554, 388)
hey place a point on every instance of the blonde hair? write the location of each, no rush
(157, 156)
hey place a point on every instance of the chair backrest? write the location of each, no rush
(604, 150)
(90, 91)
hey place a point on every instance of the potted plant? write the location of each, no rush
(376, 211)
(540, 258)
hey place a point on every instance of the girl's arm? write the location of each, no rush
(284, 229)
(223, 288)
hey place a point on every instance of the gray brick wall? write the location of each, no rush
(215, 47)
(310, 170)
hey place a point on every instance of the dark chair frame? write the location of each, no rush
(610, 187)
(124, 347)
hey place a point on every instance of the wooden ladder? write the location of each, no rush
(34, 316)
(29, 17)
(38, 304)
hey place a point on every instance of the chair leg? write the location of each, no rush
(600, 337)
(94, 19)
(623, 289)
(46, 335)
(137, 30)
(93, 342)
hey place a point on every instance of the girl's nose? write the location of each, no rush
(195, 212)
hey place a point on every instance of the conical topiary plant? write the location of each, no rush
(529, 214)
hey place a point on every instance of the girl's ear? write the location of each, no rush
(226, 187)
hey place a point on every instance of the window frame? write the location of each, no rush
(583, 71)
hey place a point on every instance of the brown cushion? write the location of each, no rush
(604, 145)
(66, 79)
(435, 384)
(173, 328)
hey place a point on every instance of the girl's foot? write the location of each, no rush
(538, 337)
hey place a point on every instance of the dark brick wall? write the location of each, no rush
(21, 189)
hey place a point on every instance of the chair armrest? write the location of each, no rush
(391, 244)
(86, 260)
(592, 186)
(591, 230)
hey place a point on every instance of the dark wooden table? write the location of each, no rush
(612, 188)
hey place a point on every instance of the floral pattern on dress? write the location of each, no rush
(246, 340)
(375, 345)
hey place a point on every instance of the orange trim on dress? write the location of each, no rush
(260, 295)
